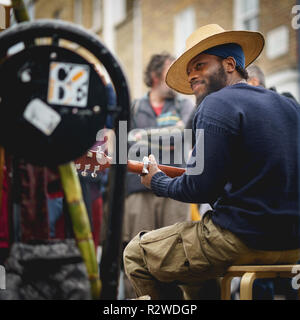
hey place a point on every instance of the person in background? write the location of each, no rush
(159, 108)
(256, 77)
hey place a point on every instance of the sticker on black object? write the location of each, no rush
(41, 116)
(68, 84)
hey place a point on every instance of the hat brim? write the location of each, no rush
(251, 42)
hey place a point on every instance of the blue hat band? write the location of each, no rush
(228, 50)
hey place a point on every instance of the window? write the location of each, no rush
(119, 11)
(78, 11)
(97, 10)
(184, 25)
(277, 42)
(246, 14)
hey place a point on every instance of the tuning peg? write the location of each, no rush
(100, 149)
(86, 167)
(94, 174)
(89, 154)
(101, 158)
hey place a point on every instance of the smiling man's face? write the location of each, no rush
(206, 74)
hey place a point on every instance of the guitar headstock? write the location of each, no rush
(92, 163)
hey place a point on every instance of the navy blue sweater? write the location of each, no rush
(250, 173)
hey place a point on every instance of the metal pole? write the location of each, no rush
(298, 51)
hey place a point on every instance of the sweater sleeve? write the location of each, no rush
(212, 154)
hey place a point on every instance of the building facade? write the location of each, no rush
(135, 29)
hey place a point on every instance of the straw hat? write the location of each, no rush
(207, 37)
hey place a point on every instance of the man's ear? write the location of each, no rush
(229, 64)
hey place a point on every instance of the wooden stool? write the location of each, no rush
(250, 273)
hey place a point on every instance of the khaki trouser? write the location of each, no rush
(187, 254)
(146, 211)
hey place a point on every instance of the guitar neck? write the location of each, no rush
(89, 163)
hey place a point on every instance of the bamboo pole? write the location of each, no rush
(81, 225)
(73, 194)
(20, 10)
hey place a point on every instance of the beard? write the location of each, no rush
(214, 83)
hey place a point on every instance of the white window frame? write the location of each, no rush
(97, 14)
(78, 12)
(277, 42)
(184, 25)
(120, 11)
(240, 16)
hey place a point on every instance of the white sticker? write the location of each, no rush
(68, 84)
(41, 116)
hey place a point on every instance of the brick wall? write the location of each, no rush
(47, 9)
(275, 14)
(158, 21)
(158, 27)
